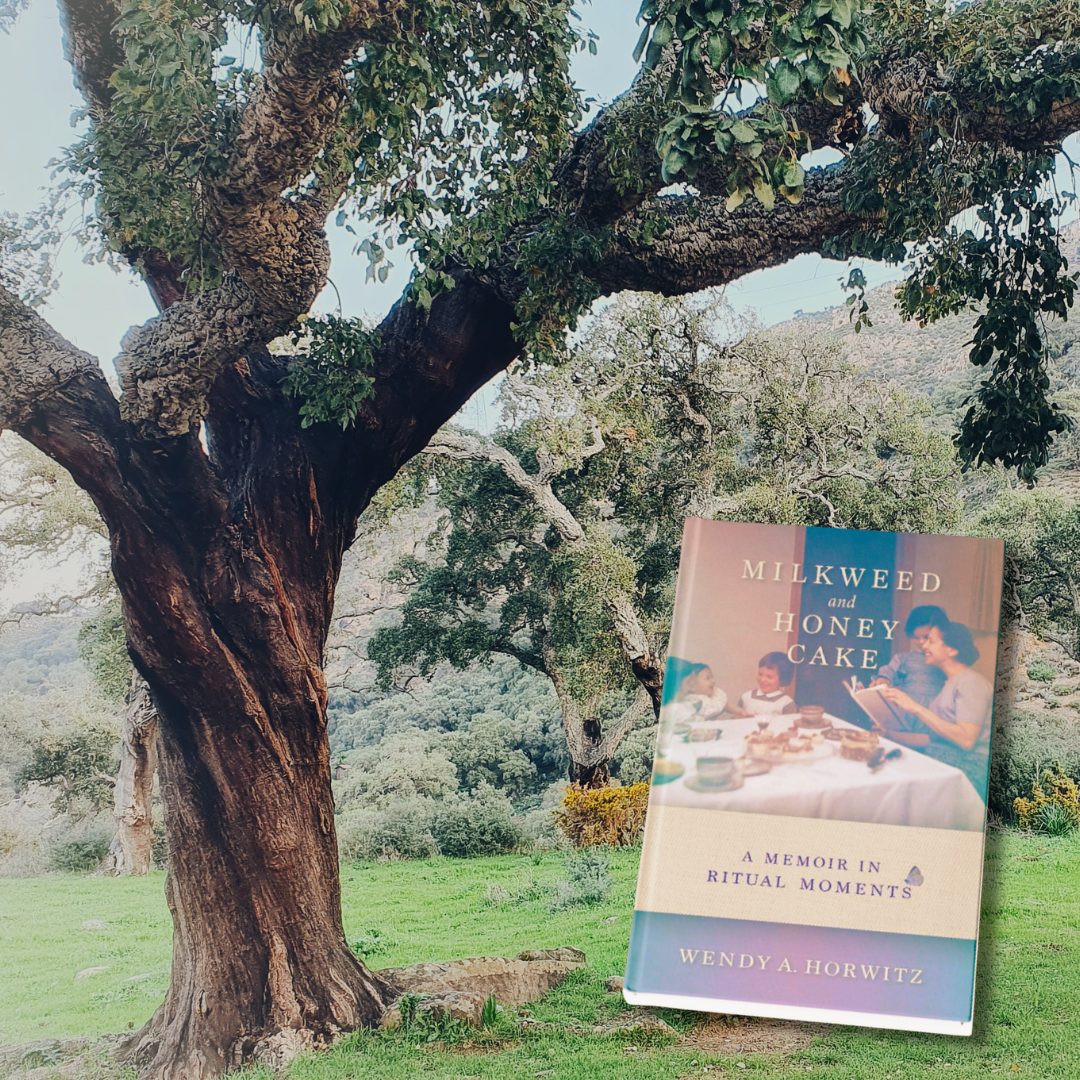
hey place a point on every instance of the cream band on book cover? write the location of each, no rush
(814, 841)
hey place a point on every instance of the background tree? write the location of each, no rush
(1041, 531)
(449, 128)
(563, 531)
(44, 516)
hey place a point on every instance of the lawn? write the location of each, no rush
(1026, 1013)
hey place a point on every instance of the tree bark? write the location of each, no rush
(260, 966)
(585, 775)
(131, 849)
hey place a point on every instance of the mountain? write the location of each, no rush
(931, 362)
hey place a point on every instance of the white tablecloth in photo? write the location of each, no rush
(912, 790)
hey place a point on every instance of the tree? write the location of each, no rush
(449, 128)
(1041, 531)
(43, 514)
(563, 530)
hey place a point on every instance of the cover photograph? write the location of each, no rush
(814, 842)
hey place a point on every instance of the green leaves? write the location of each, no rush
(784, 82)
(329, 372)
(796, 52)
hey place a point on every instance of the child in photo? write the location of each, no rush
(690, 691)
(771, 696)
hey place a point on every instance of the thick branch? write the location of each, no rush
(298, 104)
(92, 49)
(36, 363)
(908, 93)
(705, 245)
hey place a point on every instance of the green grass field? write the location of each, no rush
(1029, 974)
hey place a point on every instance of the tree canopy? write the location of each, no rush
(563, 528)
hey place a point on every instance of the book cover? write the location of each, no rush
(807, 854)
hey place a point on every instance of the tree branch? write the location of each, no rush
(91, 48)
(908, 93)
(55, 396)
(705, 245)
(460, 447)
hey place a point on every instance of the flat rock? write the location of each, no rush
(94, 924)
(88, 973)
(565, 955)
(459, 988)
(614, 985)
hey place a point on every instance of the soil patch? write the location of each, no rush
(730, 1035)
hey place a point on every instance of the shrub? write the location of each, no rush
(372, 941)
(539, 831)
(401, 829)
(1054, 820)
(634, 758)
(1041, 671)
(587, 879)
(612, 815)
(1054, 806)
(82, 853)
(1024, 743)
(480, 824)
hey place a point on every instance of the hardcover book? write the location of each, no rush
(814, 842)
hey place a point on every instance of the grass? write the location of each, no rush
(1026, 1020)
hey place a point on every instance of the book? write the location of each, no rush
(874, 703)
(796, 864)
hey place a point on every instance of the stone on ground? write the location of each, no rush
(458, 988)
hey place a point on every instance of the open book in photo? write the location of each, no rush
(873, 702)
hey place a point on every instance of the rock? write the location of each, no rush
(565, 954)
(614, 985)
(459, 988)
(94, 924)
(87, 973)
(613, 918)
(454, 1005)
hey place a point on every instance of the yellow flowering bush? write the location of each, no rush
(1053, 788)
(610, 815)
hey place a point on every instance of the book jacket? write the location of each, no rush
(814, 842)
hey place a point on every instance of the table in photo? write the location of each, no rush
(912, 790)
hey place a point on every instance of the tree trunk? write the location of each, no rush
(227, 580)
(132, 846)
(260, 966)
(582, 772)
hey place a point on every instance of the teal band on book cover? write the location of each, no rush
(773, 963)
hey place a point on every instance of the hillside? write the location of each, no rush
(931, 363)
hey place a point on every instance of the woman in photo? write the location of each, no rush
(959, 717)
